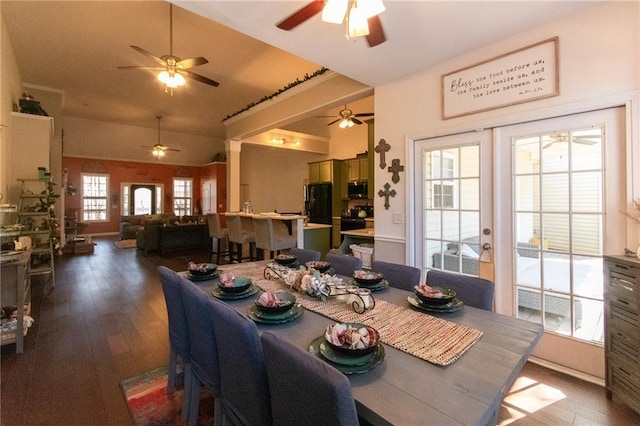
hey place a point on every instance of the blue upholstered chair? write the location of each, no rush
(179, 344)
(473, 291)
(399, 276)
(305, 390)
(244, 391)
(304, 256)
(204, 353)
(344, 265)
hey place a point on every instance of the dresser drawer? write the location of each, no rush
(624, 347)
(622, 378)
(629, 273)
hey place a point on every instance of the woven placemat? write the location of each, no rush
(432, 339)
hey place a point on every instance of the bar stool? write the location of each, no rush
(240, 232)
(272, 236)
(220, 234)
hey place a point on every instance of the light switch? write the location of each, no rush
(397, 218)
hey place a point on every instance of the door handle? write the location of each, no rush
(486, 246)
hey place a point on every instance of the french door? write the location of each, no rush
(453, 216)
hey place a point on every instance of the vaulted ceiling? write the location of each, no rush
(76, 47)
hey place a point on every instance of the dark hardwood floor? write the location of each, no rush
(106, 321)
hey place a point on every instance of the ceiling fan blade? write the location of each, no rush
(363, 114)
(172, 149)
(355, 120)
(133, 67)
(376, 32)
(326, 116)
(200, 78)
(301, 15)
(151, 55)
(192, 62)
(334, 121)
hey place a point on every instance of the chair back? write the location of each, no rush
(473, 291)
(178, 329)
(344, 265)
(399, 276)
(204, 355)
(305, 390)
(304, 256)
(215, 229)
(263, 228)
(243, 376)
(235, 229)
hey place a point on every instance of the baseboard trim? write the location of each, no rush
(568, 371)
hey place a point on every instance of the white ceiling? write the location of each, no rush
(75, 47)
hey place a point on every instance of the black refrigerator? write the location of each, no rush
(318, 203)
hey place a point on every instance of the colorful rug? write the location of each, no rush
(149, 404)
(125, 244)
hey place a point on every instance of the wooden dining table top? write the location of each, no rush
(404, 389)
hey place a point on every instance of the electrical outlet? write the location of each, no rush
(397, 218)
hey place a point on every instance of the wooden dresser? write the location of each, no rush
(622, 329)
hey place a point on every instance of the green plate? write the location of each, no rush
(335, 357)
(454, 306)
(260, 317)
(253, 289)
(376, 359)
(380, 286)
(211, 276)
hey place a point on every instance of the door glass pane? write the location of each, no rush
(471, 198)
(142, 201)
(558, 231)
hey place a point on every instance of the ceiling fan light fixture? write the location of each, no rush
(334, 11)
(171, 79)
(371, 8)
(157, 152)
(357, 25)
(345, 123)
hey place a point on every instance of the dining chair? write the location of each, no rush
(220, 235)
(271, 239)
(204, 355)
(304, 255)
(305, 390)
(244, 391)
(239, 234)
(399, 276)
(342, 264)
(473, 291)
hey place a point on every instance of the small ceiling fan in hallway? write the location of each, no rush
(347, 118)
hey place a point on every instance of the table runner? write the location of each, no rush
(432, 339)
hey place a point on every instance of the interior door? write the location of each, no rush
(453, 216)
(143, 199)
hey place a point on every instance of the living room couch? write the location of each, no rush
(131, 224)
(173, 233)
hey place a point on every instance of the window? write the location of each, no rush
(182, 196)
(95, 192)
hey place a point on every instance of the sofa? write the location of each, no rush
(173, 233)
(131, 224)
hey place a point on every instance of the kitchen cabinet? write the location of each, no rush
(358, 169)
(321, 172)
(622, 329)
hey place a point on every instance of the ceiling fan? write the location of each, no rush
(173, 70)
(362, 18)
(347, 118)
(582, 140)
(158, 150)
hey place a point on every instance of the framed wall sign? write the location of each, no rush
(523, 75)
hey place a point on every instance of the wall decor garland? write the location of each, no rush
(388, 192)
(279, 92)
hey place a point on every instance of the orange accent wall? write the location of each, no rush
(132, 172)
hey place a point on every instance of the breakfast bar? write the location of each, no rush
(404, 389)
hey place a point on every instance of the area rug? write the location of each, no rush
(149, 404)
(125, 244)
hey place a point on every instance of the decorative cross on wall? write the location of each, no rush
(386, 194)
(382, 148)
(395, 169)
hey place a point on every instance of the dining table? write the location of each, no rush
(407, 388)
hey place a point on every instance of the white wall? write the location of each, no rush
(101, 139)
(599, 53)
(10, 93)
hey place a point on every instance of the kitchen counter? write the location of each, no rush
(316, 226)
(365, 232)
(317, 236)
(356, 236)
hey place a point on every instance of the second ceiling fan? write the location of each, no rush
(173, 70)
(158, 150)
(346, 118)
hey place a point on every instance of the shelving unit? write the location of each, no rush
(16, 286)
(35, 217)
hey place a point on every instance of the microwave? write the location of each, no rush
(357, 190)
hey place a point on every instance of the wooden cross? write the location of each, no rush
(386, 194)
(381, 149)
(395, 169)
